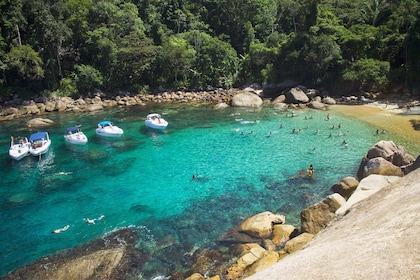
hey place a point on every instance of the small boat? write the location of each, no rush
(75, 136)
(106, 128)
(19, 147)
(155, 121)
(40, 143)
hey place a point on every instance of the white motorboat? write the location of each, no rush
(75, 136)
(106, 128)
(19, 147)
(155, 121)
(40, 143)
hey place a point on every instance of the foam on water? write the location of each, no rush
(247, 161)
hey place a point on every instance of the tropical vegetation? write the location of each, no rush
(74, 47)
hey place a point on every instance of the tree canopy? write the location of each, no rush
(73, 47)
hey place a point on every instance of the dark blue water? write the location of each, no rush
(248, 161)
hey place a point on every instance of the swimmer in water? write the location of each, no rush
(92, 221)
(59, 230)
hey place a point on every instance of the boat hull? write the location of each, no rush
(155, 121)
(18, 151)
(114, 132)
(155, 125)
(78, 138)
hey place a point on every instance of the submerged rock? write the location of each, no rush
(113, 256)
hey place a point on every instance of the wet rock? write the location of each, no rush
(108, 257)
(39, 122)
(222, 105)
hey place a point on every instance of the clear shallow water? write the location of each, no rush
(144, 179)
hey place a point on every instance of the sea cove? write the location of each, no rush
(248, 161)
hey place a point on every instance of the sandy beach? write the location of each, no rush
(401, 125)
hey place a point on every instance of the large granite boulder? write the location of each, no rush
(268, 259)
(366, 188)
(283, 233)
(221, 105)
(296, 95)
(39, 122)
(318, 105)
(261, 225)
(381, 166)
(246, 99)
(108, 257)
(50, 106)
(279, 99)
(393, 153)
(317, 216)
(329, 100)
(94, 107)
(238, 269)
(298, 242)
(345, 187)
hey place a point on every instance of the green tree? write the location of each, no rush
(176, 60)
(368, 73)
(25, 62)
(215, 62)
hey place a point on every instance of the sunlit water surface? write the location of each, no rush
(248, 161)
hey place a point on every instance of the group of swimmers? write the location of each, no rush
(87, 220)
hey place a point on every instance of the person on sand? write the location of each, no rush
(92, 221)
(59, 230)
(310, 171)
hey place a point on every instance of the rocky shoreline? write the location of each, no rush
(297, 97)
(254, 245)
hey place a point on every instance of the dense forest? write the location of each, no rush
(73, 47)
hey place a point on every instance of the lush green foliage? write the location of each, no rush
(72, 47)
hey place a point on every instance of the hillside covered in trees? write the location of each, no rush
(71, 47)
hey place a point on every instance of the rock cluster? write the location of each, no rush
(298, 96)
(264, 239)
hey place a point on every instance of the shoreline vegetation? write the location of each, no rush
(259, 242)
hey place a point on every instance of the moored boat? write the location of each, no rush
(19, 147)
(40, 143)
(75, 135)
(155, 121)
(107, 128)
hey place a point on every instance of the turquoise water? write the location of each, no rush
(144, 180)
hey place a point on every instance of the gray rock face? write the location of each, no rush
(296, 96)
(345, 187)
(381, 166)
(246, 99)
(316, 217)
(378, 239)
(388, 150)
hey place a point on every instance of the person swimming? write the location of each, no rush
(310, 170)
(92, 221)
(59, 230)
